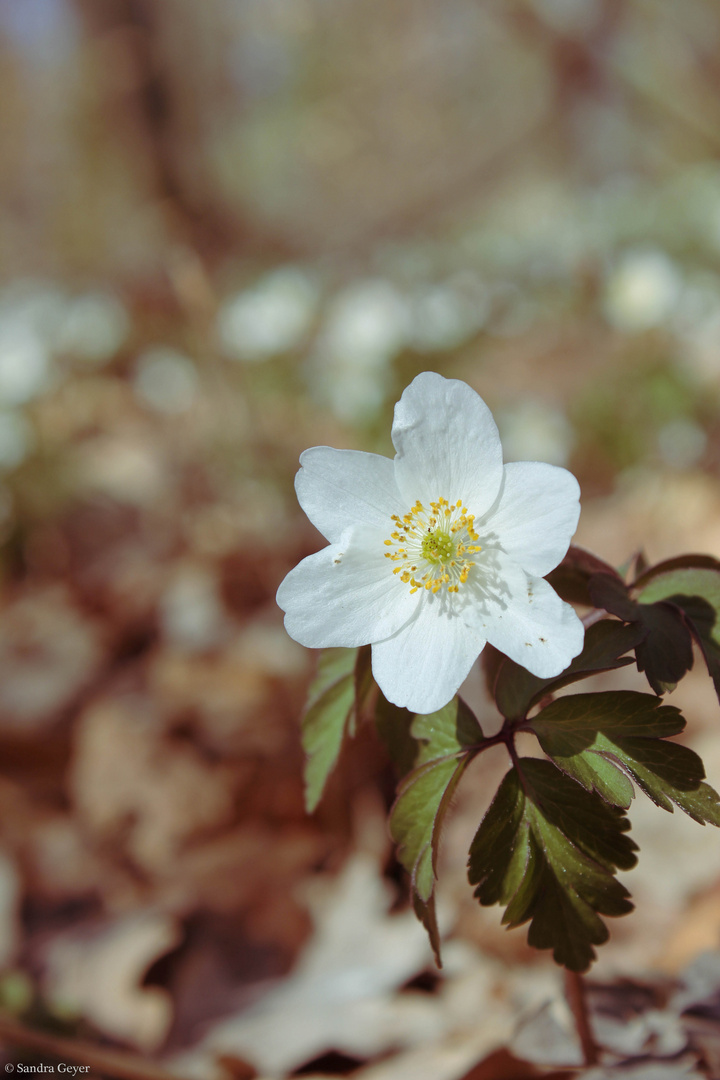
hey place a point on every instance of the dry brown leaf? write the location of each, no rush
(227, 694)
(96, 971)
(130, 782)
(127, 466)
(696, 932)
(48, 653)
(502, 1065)
(63, 864)
(340, 995)
(250, 865)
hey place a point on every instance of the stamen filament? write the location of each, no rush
(441, 541)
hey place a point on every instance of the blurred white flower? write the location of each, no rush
(700, 300)
(191, 610)
(701, 352)
(681, 443)
(16, 438)
(642, 290)
(535, 432)
(24, 363)
(166, 380)
(444, 316)
(271, 317)
(37, 305)
(94, 328)
(355, 396)
(365, 326)
(697, 322)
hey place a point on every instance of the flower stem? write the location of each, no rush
(577, 1000)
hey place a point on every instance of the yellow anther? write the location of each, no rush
(436, 541)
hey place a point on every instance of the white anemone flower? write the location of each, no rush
(435, 553)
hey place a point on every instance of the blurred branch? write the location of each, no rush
(587, 64)
(667, 100)
(578, 60)
(457, 192)
(139, 95)
(579, 65)
(115, 1063)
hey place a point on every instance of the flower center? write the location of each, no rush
(431, 546)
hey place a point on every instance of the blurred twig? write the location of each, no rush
(139, 95)
(119, 1064)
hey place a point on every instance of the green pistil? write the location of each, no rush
(437, 547)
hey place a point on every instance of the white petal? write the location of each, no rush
(424, 664)
(447, 444)
(345, 595)
(340, 488)
(535, 516)
(528, 621)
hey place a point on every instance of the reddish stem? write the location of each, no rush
(577, 1000)
(118, 1064)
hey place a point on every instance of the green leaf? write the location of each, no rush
(664, 652)
(393, 725)
(702, 619)
(425, 912)
(694, 590)
(448, 739)
(516, 691)
(450, 731)
(676, 585)
(415, 825)
(646, 574)
(330, 715)
(665, 655)
(548, 850)
(639, 563)
(571, 578)
(598, 739)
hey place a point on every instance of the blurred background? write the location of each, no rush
(232, 230)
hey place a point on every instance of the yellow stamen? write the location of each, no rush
(441, 540)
